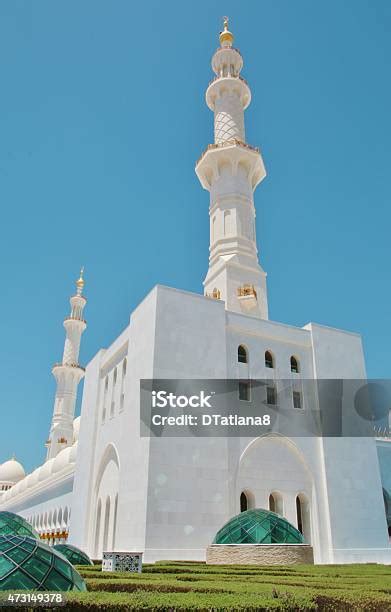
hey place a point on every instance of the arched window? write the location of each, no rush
(269, 361)
(112, 405)
(303, 516)
(275, 503)
(247, 500)
(227, 223)
(105, 398)
(387, 509)
(299, 515)
(242, 354)
(243, 502)
(294, 365)
(122, 396)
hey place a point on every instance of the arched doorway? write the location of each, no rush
(106, 492)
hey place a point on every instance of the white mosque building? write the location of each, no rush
(104, 487)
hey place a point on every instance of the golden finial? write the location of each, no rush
(80, 281)
(226, 37)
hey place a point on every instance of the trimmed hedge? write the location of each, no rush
(179, 586)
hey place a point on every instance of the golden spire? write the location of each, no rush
(80, 282)
(226, 37)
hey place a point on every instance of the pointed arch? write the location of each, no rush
(106, 489)
(110, 454)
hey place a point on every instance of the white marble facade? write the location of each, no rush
(103, 487)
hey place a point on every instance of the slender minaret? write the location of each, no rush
(230, 169)
(68, 374)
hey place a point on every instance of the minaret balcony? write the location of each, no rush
(74, 320)
(58, 367)
(234, 151)
(225, 57)
(231, 83)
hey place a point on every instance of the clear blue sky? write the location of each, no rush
(102, 117)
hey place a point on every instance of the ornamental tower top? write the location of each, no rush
(68, 374)
(230, 169)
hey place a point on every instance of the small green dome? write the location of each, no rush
(258, 526)
(28, 564)
(73, 554)
(13, 524)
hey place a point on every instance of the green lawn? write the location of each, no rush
(196, 586)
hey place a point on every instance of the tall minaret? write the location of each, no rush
(230, 169)
(68, 374)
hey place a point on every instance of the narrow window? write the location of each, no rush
(105, 398)
(122, 396)
(271, 395)
(243, 502)
(242, 354)
(299, 515)
(294, 365)
(297, 399)
(269, 362)
(272, 503)
(227, 223)
(213, 229)
(244, 390)
(275, 503)
(112, 405)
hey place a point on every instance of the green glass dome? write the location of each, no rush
(13, 524)
(28, 564)
(73, 554)
(258, 527)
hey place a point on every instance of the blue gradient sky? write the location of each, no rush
(102, 117)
